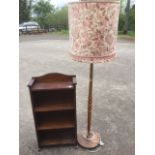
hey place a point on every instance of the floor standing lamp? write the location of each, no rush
(93, 34)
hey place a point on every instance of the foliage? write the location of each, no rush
(43, 9)
(121, 22)
(56, 17)
(131, 20)
(61, 17)
(24, 11)
(122, 6)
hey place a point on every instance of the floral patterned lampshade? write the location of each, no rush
(93, 30)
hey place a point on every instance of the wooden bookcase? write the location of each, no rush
(53, 98)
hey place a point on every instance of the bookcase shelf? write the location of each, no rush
(46, 125)
(56, 141)
(52, 86)
(53, 98)
(57, 137)
(55, 120)
(49, 106)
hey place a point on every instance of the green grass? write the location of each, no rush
(130, 35)
(61, 32)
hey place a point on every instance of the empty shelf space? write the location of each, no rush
(47, 125)
(52, 86)
(55, 120)
(48, 106)
(55, 137)
(53, 96)
(57, 141)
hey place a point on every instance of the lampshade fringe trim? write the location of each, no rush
(87, 59)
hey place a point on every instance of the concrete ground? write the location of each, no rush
(114, 106)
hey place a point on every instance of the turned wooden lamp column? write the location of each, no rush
(93, 34)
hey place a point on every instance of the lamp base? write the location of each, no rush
(89, 142)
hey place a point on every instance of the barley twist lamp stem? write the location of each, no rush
(89, 139)
(90, 100)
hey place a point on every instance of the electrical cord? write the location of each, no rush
(98, 148)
